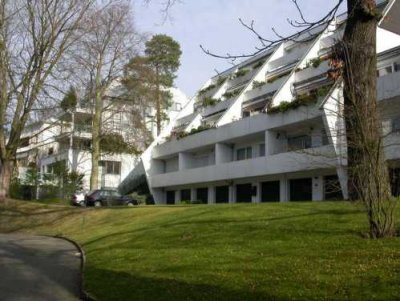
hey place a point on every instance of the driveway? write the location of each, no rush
(38, 268)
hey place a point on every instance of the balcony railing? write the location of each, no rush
(241, 80)
(286, 60)
(388, 86)
(328, 42)
(312, 78)
(219, 107)
(184, 121)
(264, 91)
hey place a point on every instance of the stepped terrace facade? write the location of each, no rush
(270, 128)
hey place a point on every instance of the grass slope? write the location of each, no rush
(305, 251)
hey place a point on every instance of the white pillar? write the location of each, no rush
(284, 190)
(318, 188)
(232, 194)
(177, 196)
(257, 198)
(211, 195)
(193, 195)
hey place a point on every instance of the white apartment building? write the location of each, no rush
(245, 137)
(66, 137)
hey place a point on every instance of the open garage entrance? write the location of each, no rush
(186, 196)
(301, 190)
(270, 192)
(202, 195)
(170, 197)
(244, 193)
(222, 194)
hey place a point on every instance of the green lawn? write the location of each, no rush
(293, 251)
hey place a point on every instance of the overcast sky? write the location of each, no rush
(214, 24)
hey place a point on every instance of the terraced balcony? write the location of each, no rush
(328, 42)
(185, 121)
(218, 108)
(312, 78)
(241, 80)
(264, 92)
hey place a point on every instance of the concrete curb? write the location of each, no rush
(84, 296)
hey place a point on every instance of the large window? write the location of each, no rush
(396, 124)
(244, 153)
(111, 167)
(299, 142)
(262, 150)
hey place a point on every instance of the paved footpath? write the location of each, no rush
(38, 268)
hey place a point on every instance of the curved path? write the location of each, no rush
(38, 268)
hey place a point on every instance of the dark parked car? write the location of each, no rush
(105, 197)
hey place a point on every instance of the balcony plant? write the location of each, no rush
(209, 101)
(199, 129)
(231, 94)
(221, 81)
(240, 73)
(300, 100)
(275, 78)
(258, 84)
(206, 89)
(259, 64)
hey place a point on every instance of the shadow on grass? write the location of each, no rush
(125, 286)
(16, 217)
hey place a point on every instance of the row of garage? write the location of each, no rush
(270, 191)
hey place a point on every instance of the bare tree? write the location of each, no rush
(108, 41)
(367, 169)
(34, 36)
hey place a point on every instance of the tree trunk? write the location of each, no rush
(6, 172)
(158, 104)
(368, 172)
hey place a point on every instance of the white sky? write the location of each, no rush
(215, 25)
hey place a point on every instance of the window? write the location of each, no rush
(299, 142)
(244, 153)
(50, 151)
(176, 107)
(241, 154)
(396, 125)
(111, 167)
(246, 114)
(262, 150)
(396, 67)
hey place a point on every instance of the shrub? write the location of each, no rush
(300, 100)
(206, 89)
(257, 84)
(259, 64)
(240, 73)
(316, 62)
(199, 129)
(209, 101)
(231, 94)
(275, 78)
(220, 81)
